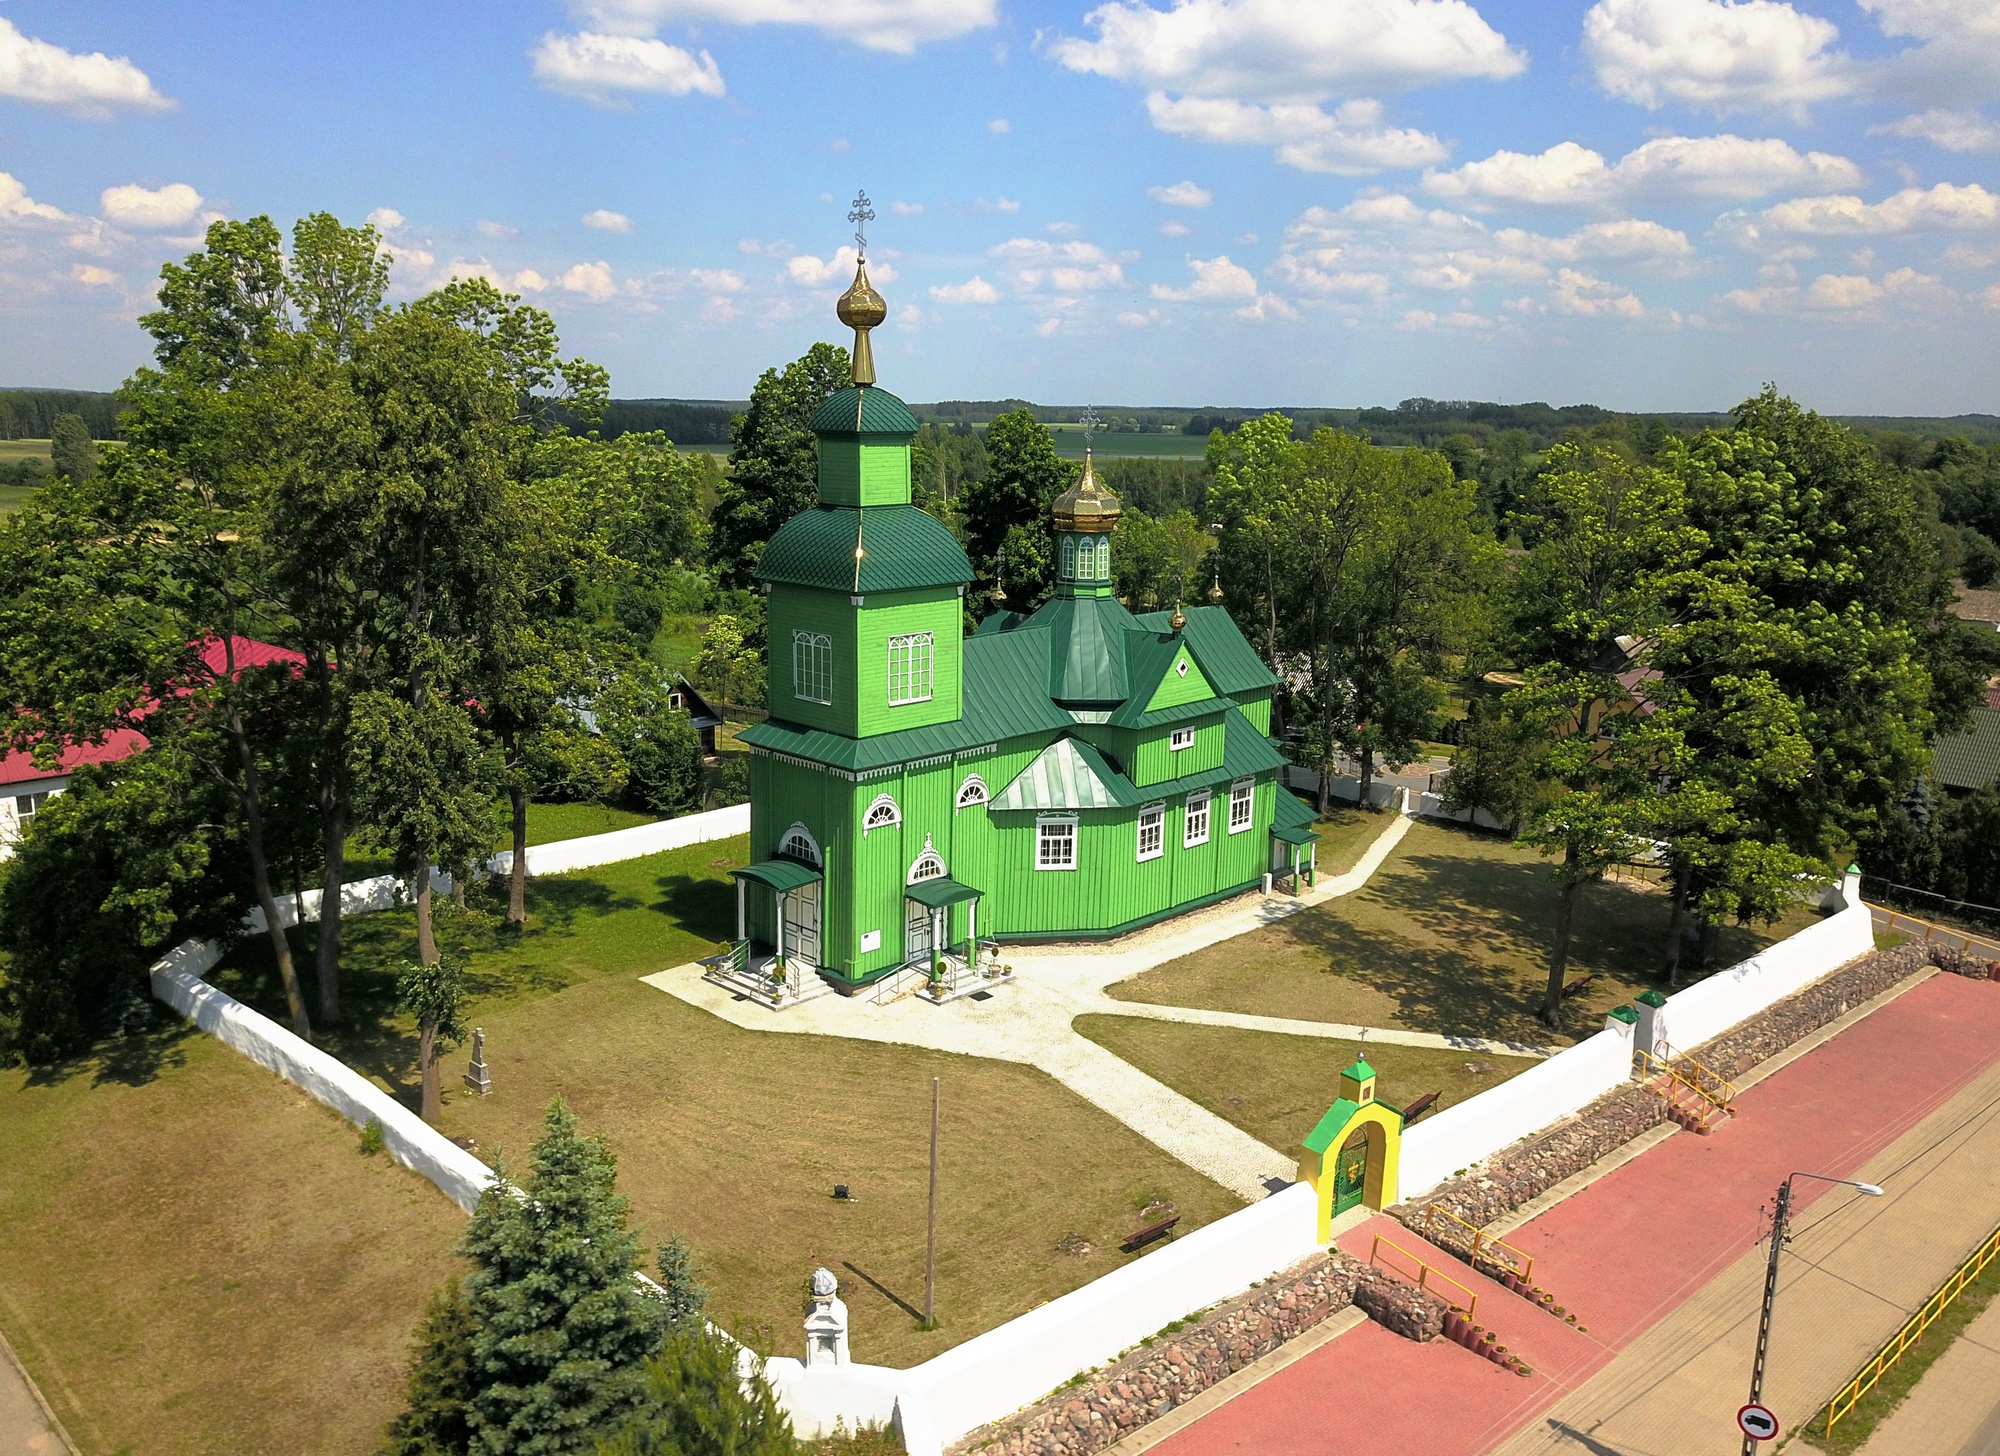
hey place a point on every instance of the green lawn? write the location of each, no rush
(1277, 1087)
(548, 823)
(1451, 936)
(1345, 832)
(736, 1138)
(195, 1257)
(12, 451)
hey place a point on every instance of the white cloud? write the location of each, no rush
(1991, 297)
(604, 220)
(1853, 294)
(1350, 141)
(1958, 58)
(1955, 131)
(592, 280)
(1423, 320)
(1718, 55)
(1714, 166)
(598, 67)
(1216, 280)
(141, 207)
(91, 85)
(17, 207)
(813, 272)
(1281, 50)
(1914, 209)
(489, 228)
(1182, 194)
(1000, 126)
(1175, 229)
(1069, 267)
(1580, 293)
(999, 204)
(906, 209)
(385, 219)
(719, 280)
(899, 26)
(974, 290)
(91, 276)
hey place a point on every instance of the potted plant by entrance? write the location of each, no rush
(937, 978)
(777, 980)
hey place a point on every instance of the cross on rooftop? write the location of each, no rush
(861, 215)
(1090, 420)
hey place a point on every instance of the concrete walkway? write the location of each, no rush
(1660, 1260)
(25, 1427)
(1030, 1019)
(1955, 1409)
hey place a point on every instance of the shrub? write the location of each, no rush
(371, 1137)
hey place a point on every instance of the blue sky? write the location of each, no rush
(1649, 204)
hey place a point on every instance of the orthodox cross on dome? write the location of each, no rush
(861, 215)
(1091, 422)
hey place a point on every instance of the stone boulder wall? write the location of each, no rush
(1176, 1365)
(1530, 1168)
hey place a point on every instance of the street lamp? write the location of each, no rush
(1771, 1282)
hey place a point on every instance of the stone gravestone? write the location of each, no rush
(475, 1075)
(826, 1322)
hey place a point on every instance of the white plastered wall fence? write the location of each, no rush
(992, 1375)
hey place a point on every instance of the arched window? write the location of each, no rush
(928, 866)
(812, 667)
(1101, 568)
(972, 791)
(882, 814)
(1069, 558)
(798, 843)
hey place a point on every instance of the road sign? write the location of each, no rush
(1757, 1422)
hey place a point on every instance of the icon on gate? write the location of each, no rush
(1757, 1423)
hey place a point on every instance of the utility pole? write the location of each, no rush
(1750, 1444)
(930, 1237)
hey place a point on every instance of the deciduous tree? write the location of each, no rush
(773, 460)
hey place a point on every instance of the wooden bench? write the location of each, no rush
(1422, 1105)
(1572, 987)
(1150, 1232)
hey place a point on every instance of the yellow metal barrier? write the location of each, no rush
(1849, 1395)
(1427, 1272)
(1523, 1265)
(1651, 1066)
(1712, 1085)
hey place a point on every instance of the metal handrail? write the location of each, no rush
(1424, 1271)
(1723, 1098)
(1522, 1266)
(1849, 1395)
(1652, 1066)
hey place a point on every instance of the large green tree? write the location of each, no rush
(1009, 531)
(773, 460)
(71, 450)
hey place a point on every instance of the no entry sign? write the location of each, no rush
(1757, 1422)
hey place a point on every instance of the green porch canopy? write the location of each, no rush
(781, 875)
(941, 892)
(1294, 833)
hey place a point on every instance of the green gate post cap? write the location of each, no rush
(1853, 869)
(1625, 1014)
(1650, 997)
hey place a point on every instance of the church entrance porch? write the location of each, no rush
(786, 972)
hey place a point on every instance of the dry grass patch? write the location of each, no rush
(195, 1257)
(736, 1138)
(1277, 1087)
(1451, 935)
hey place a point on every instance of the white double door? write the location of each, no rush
(918, 940)
(801, 911)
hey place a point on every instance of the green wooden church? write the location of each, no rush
(916, 792)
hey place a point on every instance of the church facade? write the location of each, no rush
(1071, 774)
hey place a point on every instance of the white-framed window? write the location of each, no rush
(1242, 805)
(1069, 557)
(1180, 738)
(1097, 561)
(972, 791)
(1055, 844)
(912, 657)
(812, 667)
(1152, 831)
(1195, 831)
(928, 866)
(882, 814)
(798, 843)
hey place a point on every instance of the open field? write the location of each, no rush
(735, 1138)
(1451, 936)
(195, 1257)
(1107, 444)
(1277, 1087)
(13, 450)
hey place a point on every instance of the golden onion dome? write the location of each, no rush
(861, 308)
(1087, 505)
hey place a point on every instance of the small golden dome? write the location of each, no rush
(861, 308)
(1179, 619)
(1087, 505)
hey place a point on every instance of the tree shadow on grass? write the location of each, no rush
(129, 1060)
(704, 908)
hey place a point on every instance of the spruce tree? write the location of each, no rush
(71, 450)
(698, 1403)
(439, 1381)
(563, 1330)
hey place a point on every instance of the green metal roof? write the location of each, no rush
(1231, 663)
(1067, 775)
(1331, 1126)
(1359, 1070)
(902, 549)
(941, 892)
(864, 410)
(778, 874)
(1086, 648)
(1291, 811)
(1969, 760)
(1294, 834)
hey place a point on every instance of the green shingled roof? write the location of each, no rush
(903, 548)
(1231, 663)
(1969, 760)
(865, 410)
(1291, 812)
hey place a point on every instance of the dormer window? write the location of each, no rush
(1180, 738)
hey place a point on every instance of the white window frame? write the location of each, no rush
(812, 666)
(1069, 558)
(1043, 838)
(883, 813)
(927, 866)
(1194, 830)
(788, 848)
(912, 667)
(1179, 739)
(1242, 805)
(972, 791)
(1152, 826)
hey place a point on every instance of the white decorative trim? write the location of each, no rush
(1043, 821)
(1157, 813)
(882, 813)
(1201, 801)
(798, 827)
(1250, 821)
(972, 791)
(930, 856)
